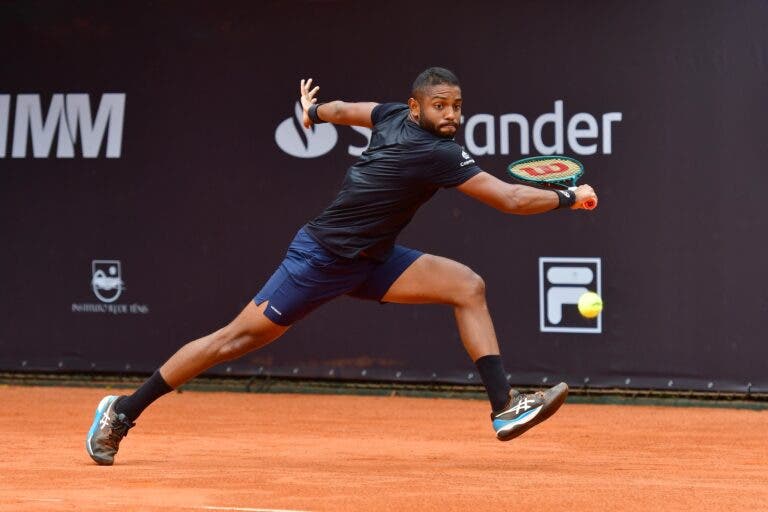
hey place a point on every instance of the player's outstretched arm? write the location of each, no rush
(519, 199)
(336, 112)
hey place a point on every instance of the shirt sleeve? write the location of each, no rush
(384, 110)
(452, 165)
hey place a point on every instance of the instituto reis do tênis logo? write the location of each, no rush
(107, 285)
(106, 280)
(302, 142)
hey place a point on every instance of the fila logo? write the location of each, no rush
(561, 282)
(69, 121)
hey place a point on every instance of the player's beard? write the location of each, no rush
(433, 128)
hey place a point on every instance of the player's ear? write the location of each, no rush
(415, 108)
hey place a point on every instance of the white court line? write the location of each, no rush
(205, 507)
(247, 509)
(233, 509)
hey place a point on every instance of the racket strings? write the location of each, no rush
(546, 169)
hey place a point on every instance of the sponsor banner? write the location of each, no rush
(66, 124)
(484, 134)
(108, 285)
(146, 196)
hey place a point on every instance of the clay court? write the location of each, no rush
(292, 452)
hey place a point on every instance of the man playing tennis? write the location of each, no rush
(349, 249)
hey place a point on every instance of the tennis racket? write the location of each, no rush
(550, 172)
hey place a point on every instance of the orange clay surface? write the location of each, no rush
(197, 451)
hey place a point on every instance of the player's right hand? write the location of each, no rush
(584, 193)
(307, 98)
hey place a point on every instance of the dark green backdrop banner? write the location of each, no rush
(153, 171)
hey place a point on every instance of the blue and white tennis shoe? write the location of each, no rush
(524, 411)
(107, 430)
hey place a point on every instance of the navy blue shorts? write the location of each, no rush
(310, 275)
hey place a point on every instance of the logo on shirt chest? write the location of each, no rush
(467, 158)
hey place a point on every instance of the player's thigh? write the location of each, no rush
(435, 279)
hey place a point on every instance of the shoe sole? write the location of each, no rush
(548, 408)
(100, 410)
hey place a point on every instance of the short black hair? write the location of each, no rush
(433, 76)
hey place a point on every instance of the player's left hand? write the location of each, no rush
(307, 98)
(583, 194)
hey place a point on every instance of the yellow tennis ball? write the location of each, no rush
(590, 305)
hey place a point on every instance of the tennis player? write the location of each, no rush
(350, 249)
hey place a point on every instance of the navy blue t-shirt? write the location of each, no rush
(402, 168)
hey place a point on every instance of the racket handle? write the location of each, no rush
(589, 204)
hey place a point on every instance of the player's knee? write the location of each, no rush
(472, 287)
(229, 344)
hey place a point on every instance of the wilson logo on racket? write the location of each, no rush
(543, 170)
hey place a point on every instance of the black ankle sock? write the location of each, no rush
(495, 380)
(152, 389)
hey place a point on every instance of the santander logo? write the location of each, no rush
(294, 139)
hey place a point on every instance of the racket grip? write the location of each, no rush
(589, 204)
